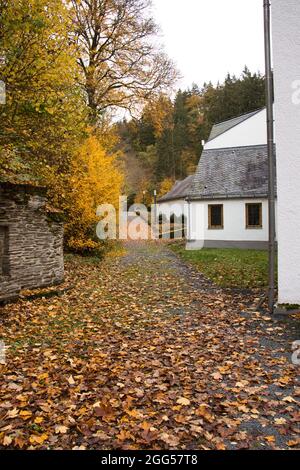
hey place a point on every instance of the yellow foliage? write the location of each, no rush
(165, 186)
(93, 179)
(146, 191)
(45, 112)
(145, 194)
(160, 113)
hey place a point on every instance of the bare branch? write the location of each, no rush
(121, 62)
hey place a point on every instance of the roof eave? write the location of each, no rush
(172, 199)
(215, 197)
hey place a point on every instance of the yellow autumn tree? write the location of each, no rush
(159, 114)
(45, 112)
(94, 179)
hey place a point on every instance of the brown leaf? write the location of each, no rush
(71, 380)
(35, 439)
(183, 401)
(7, 441)
(24, 414)
(169, 439)
(60, 429)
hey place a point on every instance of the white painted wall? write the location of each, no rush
(286, 54)
(197, 223)
(253, 131)
(234, 212)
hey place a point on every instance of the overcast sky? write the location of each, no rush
(208, 38)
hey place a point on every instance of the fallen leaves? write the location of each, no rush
(12, 413)
(204, 412)
(38, 439)
(145, 353)
(289, 399)
(7, 440)
(294, 443)
(284, 380)
(25, 414)
(71, 380)
(60, 429)
(106, 412)
(38, 420)
(280, 421)
(172, 441)
(217, 376)
(183, 401)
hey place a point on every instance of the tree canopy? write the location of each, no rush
(65, 66)
(122, 64)
(168, 136)
(45, 111)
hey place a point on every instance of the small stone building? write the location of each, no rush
(31, 240)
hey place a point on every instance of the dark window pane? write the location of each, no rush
(254, 215)
(216, 216)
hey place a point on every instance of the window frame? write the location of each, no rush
(254, 227)
(215, 227)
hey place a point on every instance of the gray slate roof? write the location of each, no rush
(231, 173)
(225, 126)
(180, 190)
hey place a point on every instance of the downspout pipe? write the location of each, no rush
(271, 155)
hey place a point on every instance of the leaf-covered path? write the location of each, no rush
(143, 353)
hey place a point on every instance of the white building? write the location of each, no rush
(286, 53)
(228, 198)
(227, 203)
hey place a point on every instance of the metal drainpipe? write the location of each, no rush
(155, 213)
(270, 132)
(189, 221)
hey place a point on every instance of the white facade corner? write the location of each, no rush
(286, 53)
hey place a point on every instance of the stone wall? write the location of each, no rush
(31, 241)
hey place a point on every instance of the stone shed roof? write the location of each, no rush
(19, 190)
(25, 187)
(231, 173)
(180, 190)
(225, 126)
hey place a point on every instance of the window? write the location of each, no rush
(254, 215)
(4, 264)
(215, 217)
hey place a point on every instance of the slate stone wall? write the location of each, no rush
(31, 241)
